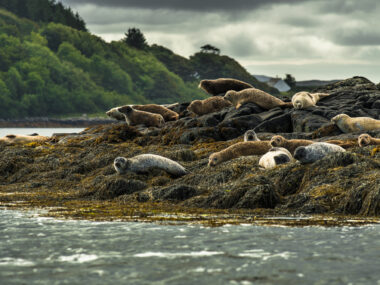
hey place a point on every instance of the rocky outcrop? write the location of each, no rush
(78, 168)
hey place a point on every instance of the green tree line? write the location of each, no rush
(51, 69)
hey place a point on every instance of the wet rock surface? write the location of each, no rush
(78, 169)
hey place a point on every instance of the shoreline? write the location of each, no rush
(45, 122)
(207, 218)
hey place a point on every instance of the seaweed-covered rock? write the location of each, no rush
(175, 192)
(114, 187)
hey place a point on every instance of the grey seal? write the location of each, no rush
(143, 163)
(315, 151)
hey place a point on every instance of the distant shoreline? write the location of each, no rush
(44, 122)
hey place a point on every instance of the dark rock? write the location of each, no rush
(242, 123)
(115, 187)
(279, 124)
(246, 109)
(175, 192)
(198, 133)
(306, 121)
(376, 105)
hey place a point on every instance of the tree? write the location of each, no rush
(210, 49)
(290, 80)
(135, 38)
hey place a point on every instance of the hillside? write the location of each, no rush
(203, 65)
(50, 69)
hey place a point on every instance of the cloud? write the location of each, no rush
(290, 36)
(194, 5)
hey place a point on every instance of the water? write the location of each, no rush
(40, 131)
(36, 250)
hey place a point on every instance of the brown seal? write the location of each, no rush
(209, 105)
(168, 114)
(359, 124)
(343, 143)
(302, 100)
(290, 145)
(14, 139)
(237, 150)
(257, 96)
(135, 117)
(222, 85)
(366, 139)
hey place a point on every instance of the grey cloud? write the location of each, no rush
(356, 37)
(348, 6)
(301, 22)
(193, 5)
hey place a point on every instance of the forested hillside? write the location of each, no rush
(51, 69)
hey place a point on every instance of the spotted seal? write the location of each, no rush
(134, 117)
(143, 163)
(302, 100)
(291, 145)
(257, 96)
(315, 151)
(220, 86)
(275, 156)
(209, 105)
(250, 135)
(237, 150)
(349, 124)
(366, 139)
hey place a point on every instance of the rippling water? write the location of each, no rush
(35, 250)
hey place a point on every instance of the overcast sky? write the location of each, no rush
(310, 39)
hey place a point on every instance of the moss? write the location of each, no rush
(78, 181)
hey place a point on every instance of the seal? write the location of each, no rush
(315, 151)
(220, 86)
(257, 96)
(359, 124)
(290, 145)
(15, 139)
(209, 105)
(143, 163)
(366, 139)
(135, 117)
(275, 156)
(302, 100)
(115, 114)
(250, 135)
(237, 150)
(166, 113)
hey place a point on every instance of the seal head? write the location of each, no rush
(250, 135)
(121, 164)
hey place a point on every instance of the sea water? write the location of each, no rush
(40, 131)
(38, 250)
